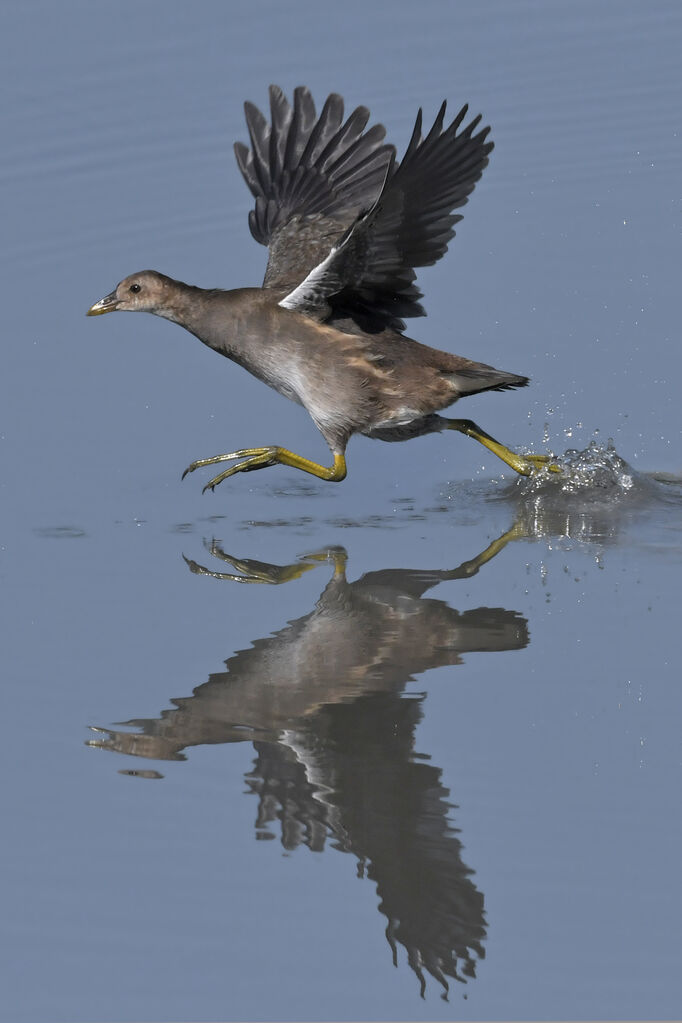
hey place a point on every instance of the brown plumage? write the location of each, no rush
(345, 225)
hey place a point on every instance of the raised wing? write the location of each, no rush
(369, 276)
(310, 177)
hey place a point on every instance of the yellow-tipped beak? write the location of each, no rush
(108, 304)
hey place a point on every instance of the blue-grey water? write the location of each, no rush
(423, 761)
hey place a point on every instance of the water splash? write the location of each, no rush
(598, 468)
(589, 502)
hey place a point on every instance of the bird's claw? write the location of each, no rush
(538, 463)
(253, 458)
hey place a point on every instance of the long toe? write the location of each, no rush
(538, 463)
(260, 458)
(227, 457)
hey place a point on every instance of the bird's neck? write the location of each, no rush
(230, 322)
(184, 304)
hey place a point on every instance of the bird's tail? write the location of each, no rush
(478, 377)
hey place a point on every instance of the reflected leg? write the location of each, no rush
(252, 571)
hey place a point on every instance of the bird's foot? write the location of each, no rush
(253, 458)
(538, 463)
(261, 458)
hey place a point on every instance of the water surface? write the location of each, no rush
(428, 747)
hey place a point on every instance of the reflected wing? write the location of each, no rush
(310, 177)
(370, 276)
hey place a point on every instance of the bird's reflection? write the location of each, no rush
(322, 701)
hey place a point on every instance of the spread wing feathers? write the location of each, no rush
(369, 274)
(318, 172)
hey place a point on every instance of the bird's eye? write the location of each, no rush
(135, 288)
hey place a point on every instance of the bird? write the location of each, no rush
(346, 225)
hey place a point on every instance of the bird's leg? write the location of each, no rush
(525, 465)
(261, 458)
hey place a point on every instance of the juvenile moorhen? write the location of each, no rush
(345, 225)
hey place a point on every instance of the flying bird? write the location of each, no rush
(346, 225)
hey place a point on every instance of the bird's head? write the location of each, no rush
(146, 292)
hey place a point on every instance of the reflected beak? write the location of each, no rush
(108, 304)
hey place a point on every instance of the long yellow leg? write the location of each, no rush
(261, 458)
(525, 465)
